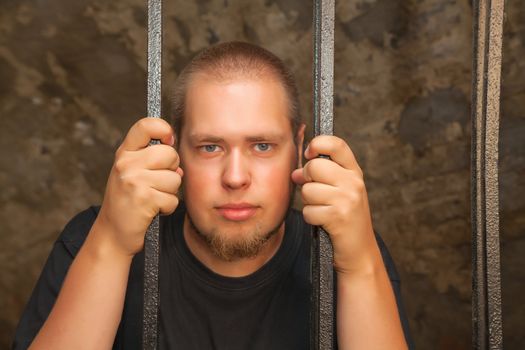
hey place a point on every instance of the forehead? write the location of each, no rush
(238, 107)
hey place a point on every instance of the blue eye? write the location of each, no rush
(263, 147)
(209, 148)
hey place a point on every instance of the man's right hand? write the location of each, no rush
(143, 181)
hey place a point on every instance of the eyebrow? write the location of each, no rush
(253, 138)
(205, 138)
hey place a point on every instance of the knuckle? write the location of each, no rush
(306, 189)
(164, 154)
(170, 205)
(172, 154)
(128, 182)
(175, 202)
(173, 182)
(344, 211)
(142, 124)
(307, 166)
(307, 213)
(176, 156)
(339, 143)
(304, 195)
(177, 180)
(120, 165)
(359, 184)
(118, 152)
(141, 195)
(315, 167)
(352, 201)
(158, 123)
(160, 150)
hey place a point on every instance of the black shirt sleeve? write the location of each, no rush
(50, 281)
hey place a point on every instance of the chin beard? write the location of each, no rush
(251, 243)
(227, 249)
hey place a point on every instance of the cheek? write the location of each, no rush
(275, 180)
(199, 182)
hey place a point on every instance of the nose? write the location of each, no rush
(236, 171)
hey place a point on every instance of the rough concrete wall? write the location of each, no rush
(72, 81)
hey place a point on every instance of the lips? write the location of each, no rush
(237, 211)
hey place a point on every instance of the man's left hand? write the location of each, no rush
(334, 197)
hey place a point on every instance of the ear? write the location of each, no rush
(299, 139)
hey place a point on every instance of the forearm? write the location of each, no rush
(89, 306)
(367, 315)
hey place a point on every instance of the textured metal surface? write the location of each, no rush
(486, 295)
(151, 241)
(324, 12)
(151, 285)
(154, 57)
(323, 311)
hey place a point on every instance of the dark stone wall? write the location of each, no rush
(72, 81)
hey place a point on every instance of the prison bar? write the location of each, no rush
(151, 240)
(322, 304)
(486, 293)
(486, 297)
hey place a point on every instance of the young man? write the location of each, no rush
(234, 271)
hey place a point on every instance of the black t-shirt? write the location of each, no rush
(200, 309)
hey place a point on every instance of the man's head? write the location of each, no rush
(239, 137)
(230, 61)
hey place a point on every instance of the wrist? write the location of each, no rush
(370, 271)
(102, 245)
(367, 264)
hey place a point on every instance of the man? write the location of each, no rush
(234, 270)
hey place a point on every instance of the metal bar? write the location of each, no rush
(151, 241)
(323, 316)
(486, 295)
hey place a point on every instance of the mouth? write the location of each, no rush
(237, 211)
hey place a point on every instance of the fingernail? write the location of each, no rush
(172, 140)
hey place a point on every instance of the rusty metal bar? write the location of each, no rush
(486, 294)
(323, 315)
(151, 241)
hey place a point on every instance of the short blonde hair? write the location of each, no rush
(231, 60)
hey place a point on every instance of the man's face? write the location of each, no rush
(237, 152)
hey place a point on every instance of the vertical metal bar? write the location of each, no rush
(486, 296)
(322, 334)
(151, 241)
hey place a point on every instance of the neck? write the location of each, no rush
(237, 268)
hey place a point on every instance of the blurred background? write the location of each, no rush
(73, 80)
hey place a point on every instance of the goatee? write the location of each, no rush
(228, 249)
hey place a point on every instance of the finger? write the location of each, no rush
(315, 193)
(145, 130)
(334, 147)
(166, 202)
(153, 158)
(298, 177)
(167, 181)
(322, 170)
(317, 215)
